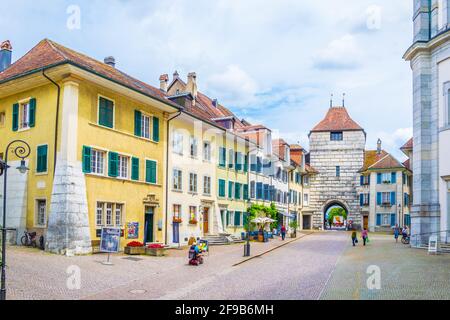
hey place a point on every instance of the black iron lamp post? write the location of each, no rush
(22, 150)
(247, 244)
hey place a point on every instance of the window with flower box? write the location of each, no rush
(177, 218)
(193, 215)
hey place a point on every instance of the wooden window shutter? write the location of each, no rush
(15, 117)
(32, 121)
(86, 159)
(113, 165)
(155, 129)
(137, 123)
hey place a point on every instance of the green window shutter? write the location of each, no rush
(113, 166)
(137, 123)
(237, 191)
(155, 129)
(237, 218)
(86, 159)
(42, 159)
(222, 188)
(150, 171)
(227, 219)
(245, 192)
(230, 189)
(222, 157)
(106, 113)
(245, 164)
(32, 113)
(135, 169)
(15, 117)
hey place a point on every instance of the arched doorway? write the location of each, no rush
(335, 215)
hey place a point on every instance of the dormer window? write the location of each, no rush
(337, 136)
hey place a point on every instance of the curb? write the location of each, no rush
(270, 250)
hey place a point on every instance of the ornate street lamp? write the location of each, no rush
(22, 150)
(247, 245)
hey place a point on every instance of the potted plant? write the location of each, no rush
(177, 220)
(156, 250)
(293, 225)
(134, 248)
(193, 221)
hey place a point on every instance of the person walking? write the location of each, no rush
(283, 232)
(354, 238)
(396, 232)
(365, 236)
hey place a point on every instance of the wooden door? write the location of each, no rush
(366, 222)
(205, 220)
(149, 215)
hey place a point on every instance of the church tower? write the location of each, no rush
(337, 146)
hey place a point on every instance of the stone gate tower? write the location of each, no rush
(337, 146)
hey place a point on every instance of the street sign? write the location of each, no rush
(110, 241)
(433, 244)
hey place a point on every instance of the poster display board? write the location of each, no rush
(110, 240)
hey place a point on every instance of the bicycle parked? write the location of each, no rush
(29, 239)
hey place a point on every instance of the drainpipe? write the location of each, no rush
(167, 173)
(56, 120)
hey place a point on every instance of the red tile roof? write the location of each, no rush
(371, 157)
(48, 53)
(408, 145)
(388, 162)
(310, 169)
(337, 119)
(384, 160)
(407, 164)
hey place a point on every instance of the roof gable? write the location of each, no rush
(337, 119)
(48, 53)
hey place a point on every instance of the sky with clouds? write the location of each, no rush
(272, 62)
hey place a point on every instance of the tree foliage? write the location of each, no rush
(262, 211)
(336, 212)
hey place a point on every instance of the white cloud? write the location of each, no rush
(342, 53)
(258, 57)
(234, 84)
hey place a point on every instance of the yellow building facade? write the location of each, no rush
(108, 132)
(232, 181)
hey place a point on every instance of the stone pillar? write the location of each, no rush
(425, 212)
(421, 20)
(68, 226)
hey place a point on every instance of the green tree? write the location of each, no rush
(336, 212)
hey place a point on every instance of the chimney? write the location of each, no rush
(5, 55)
(110, 61)
(163, 81)
(215, 103)
(379, 146)
(191, 86)
(176, 75)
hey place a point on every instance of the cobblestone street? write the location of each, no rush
(314, 266)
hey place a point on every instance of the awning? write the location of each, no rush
(291, 216)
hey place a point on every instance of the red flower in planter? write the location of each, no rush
(156, 246)
(193, 222)
(135, 244)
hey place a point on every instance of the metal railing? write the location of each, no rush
(421, 239)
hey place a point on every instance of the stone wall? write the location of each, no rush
(16, 202)
(325, 186)
(68, 225)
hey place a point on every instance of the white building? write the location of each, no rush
(429, 56)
